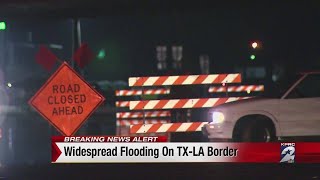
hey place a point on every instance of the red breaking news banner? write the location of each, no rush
(109, 139)
(129, 149)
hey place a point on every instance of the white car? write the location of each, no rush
(295, 113)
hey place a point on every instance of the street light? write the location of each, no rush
(254, 45)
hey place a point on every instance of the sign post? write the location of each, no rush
(66, 100)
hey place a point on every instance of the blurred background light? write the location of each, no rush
(101, 54)
(252, 57)
(2, 26)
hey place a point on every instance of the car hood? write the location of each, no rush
(256, 103)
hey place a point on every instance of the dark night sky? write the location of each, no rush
(289, 33)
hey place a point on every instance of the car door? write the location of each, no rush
(299, 112)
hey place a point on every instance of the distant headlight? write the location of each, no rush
(217, 117)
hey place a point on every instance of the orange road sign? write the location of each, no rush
(66, 100)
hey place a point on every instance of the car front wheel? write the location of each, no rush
(257, 132)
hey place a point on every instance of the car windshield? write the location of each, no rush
(278, 88)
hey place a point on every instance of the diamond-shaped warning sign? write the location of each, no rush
(66, 100)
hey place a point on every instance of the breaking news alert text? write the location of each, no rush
(156, 149)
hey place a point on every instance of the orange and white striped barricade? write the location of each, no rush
(136, 117)
(129, 122)
(173, 104)
(179, 103)
(125, 119)
(167, 127)
(240, 88)
(159, 91)
(122, 104)
(182, 103)
(185, 80)
(123, 127)
(146, 114)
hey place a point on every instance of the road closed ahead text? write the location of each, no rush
(67, 100)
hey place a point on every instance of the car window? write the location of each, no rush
(309, 87)
(278, 88)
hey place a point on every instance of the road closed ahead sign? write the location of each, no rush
(66, 100)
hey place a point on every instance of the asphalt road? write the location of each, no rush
(165, 171)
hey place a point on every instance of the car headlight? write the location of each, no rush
(217, 117)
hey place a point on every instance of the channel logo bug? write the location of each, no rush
(287, 152)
